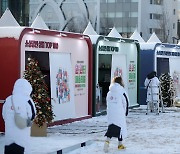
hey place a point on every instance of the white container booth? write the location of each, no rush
(65, 58)
(115, 57)
(162, 58)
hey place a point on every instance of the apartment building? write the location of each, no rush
(147, 16)
(19, 9)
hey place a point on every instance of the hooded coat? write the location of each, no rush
(21, 95)
(152, 86)
(117, 107)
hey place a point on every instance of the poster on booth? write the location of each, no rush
(80, 78)
(62, 91)
(175, 74)
(119, 68)
(81, 87)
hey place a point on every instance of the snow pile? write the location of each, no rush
(11, 32)
(147, 134)
(147, 46)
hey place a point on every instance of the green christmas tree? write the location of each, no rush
(40, 94)
(167, 89)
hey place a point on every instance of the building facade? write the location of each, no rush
(3, 6)
(19, 9)
(159, 16)
(147, 16)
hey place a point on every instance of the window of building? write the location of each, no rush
(134, 0)
(158, 31)
(150, 30)
(133, 14)
(111, 14)
(174, 11)
(119, 14)
(174, 25)
(119, 29)
(111, 1)
(150, 16)
(155, 16)
(4, 5)
(156, 2)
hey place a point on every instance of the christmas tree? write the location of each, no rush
(40, 94)
(167, 89)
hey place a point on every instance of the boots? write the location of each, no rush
(120, 145)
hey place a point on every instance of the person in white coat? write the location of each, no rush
(25, 106)
(152, 85)
(117, 110)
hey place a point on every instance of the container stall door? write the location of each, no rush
(162, 66)
(62, 91)
(119, 68)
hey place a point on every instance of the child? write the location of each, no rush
(117, 110)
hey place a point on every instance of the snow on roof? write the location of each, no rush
(94, 38)
(136, 36)
(11, 32)
(89, 30)
(8, 19)
(154, 38)
(114, 33)
(39, 23)
(147, 46)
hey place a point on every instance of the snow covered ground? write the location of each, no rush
(147, 134)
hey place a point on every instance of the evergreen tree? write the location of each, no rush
(167, 89)
(40, 94)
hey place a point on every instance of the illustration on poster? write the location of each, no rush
(62, 86)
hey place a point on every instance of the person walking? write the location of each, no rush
(16, 139)
(117, 110)
(152, 85)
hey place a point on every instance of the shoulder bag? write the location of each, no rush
(20, 122)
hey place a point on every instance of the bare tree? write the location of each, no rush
(76, 24)
(164, 25)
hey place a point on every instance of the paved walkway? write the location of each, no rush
(75, 135)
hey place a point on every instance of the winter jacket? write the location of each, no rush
(152, 86)
(117, 105)
(21, 95)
